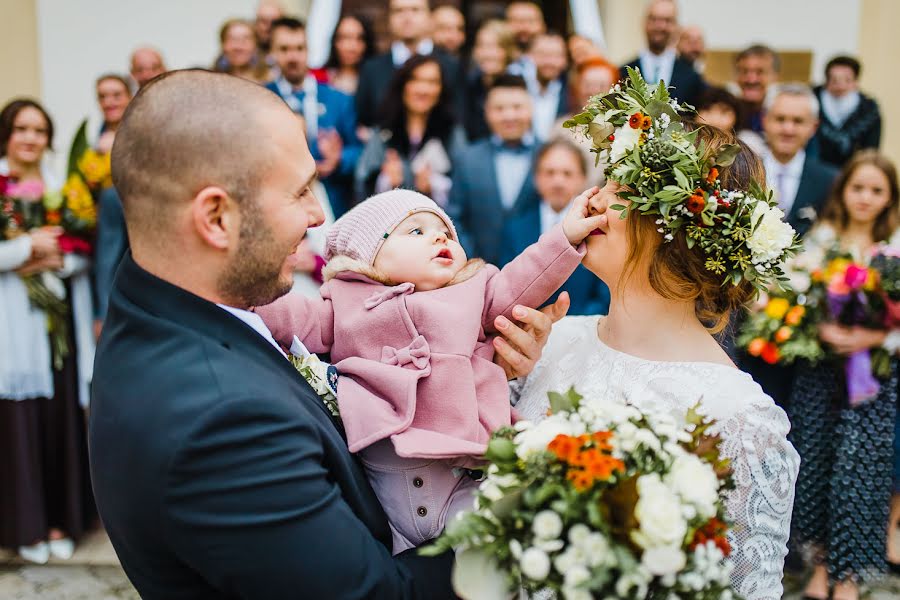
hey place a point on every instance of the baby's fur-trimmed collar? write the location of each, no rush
(341, 264)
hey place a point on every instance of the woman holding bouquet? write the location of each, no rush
(669, 294)
(45, 493)
(845, 439)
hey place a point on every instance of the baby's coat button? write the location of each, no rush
(422, 511)
(417, 482)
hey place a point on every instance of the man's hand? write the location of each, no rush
(392, 167)
(520, 348)
(579, 222)
(423, 180)
(330, 147)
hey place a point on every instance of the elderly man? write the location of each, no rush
(146, 63)
(217, 470)
(692, 46)
(659, 61)
(756, 72)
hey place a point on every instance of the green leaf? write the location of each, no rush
(617, 207)
(500, 450)
(583, 118)
(726, 154)
(683, 182)
(564, 402)
(656, 108)
(79, 146)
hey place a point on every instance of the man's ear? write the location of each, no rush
(215, 217)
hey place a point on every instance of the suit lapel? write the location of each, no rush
(803, 197)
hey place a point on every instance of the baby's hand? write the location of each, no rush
(578, 222)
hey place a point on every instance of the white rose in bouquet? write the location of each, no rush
(696, 483)
(659, 513)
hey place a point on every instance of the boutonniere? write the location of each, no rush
(321, 376)
(807, 213)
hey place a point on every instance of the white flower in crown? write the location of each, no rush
(771, 236)
(626, 138)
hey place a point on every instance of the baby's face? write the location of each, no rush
(420, 251)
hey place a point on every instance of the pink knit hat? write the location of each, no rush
(360, 233)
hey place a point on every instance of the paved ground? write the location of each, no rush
(94, 574)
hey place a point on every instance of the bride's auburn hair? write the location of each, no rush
(677, 272)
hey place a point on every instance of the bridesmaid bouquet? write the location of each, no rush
(600, 499)
(781, 332)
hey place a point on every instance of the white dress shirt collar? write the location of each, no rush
(549, 217)
(657, 66)
(400, 53)
(254, 321)
(784, 178)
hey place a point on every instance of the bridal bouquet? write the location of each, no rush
(783, 331)
(600, 499)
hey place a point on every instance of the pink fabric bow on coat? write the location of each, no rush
(418, 353)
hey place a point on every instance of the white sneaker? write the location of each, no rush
(62, 549)
(38, 553)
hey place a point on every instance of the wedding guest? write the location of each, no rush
(113, 96)
(691, 46)
(659, 60)
(581, 49)
(756, 73)
(352, 44)
(448, 28)
(492, 178)
(240, 453)
(409, 22)
(526, 21)
(594, 76)
(846, 448)
(547, 83)
(850, 120)
(112, 238)
(801, 184)
(267, 12)
(239, 53)
(146, 63)
(720, 108)
(491, 55)
(417, 141)
(329, 115)
(45, 499)
(560, 174)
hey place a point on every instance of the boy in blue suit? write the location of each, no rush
(330, 115)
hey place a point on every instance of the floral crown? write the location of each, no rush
(636, 129)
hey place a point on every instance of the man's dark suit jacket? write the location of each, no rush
(475, 205)
(375, 78)
(816, 180)
(588, 294)
(687, 82)
(112, 242)
(217, 470)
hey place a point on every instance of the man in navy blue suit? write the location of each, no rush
(330, 115)
(559, 176)
(659, 61)
(492, 178)
(218, 471)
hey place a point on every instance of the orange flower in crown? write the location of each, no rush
(636, 121)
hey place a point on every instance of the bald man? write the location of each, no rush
(146, 63)
(217, 470)
(659, 61)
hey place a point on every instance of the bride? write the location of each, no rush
(656, 349)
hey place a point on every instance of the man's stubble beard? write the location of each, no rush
(253, 276)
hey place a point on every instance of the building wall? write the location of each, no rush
(19, 59)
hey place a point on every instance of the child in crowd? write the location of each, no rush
(408, 321)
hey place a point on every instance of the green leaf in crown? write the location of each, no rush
(640, 134)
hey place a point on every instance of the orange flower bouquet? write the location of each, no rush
(598, 500)
(782, 332)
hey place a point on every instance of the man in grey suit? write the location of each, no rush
(492, 177)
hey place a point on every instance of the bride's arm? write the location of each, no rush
(765, 470)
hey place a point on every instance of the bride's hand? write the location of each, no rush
(520, 348)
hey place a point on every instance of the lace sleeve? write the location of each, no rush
(765, 470)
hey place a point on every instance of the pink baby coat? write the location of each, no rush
(417, 366)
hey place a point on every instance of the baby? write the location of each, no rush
(407, 320)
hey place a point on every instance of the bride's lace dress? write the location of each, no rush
(752, 428)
